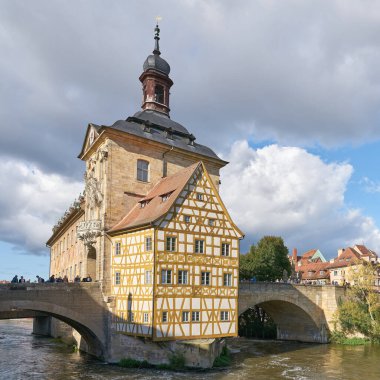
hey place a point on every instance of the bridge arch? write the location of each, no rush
(80, 306)
(296, 316)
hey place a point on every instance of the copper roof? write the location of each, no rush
(152, 206)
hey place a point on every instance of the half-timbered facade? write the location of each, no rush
(175, 262)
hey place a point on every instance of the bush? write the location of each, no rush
(224, 360)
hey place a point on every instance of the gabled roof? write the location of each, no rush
(348, 257)
(153, 205)
(309, 254)
(364, 251)
(311, 271)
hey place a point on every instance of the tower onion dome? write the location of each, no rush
(154, 61)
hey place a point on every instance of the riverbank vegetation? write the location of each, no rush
(266, 261)
(176, 362)
(224, 359)
(359, 312)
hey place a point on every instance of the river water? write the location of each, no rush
(24, 356)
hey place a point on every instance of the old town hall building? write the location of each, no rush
(151, 226)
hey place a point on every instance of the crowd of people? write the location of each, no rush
(52, 278)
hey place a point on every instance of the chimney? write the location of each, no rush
(340, 251)
(294, 255)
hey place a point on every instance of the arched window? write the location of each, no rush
(159, 94)
(142, 170)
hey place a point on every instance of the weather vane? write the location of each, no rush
(158, 19)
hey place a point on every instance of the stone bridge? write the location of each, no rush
(80, 305)
(301, 312)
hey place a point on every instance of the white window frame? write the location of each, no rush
(166, 276)
(171, 242)
(142, 172)
(185, 316)
(205, 278)
(148, 243)
(183, 277)
(224, 316)
(148, 277)
(195, 316)
(164, 317)
(118, 248)
(146, 317)
(199, 196)
(227, 279)
(117, 278)
(199, 246)
(226, 249)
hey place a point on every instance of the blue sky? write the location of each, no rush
(291, 89)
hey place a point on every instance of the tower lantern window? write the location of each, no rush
(159, 93)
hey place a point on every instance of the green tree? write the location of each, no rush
(267, 261)
(359, 312)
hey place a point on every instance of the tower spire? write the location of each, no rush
(157, 39)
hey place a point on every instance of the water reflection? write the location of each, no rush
(24, 356)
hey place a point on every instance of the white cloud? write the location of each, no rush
(370, 186)
(31, 202)
(289, 192)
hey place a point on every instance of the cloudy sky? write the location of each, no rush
(290, 88)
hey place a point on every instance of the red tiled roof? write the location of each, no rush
(314, 268)
(309, 253)
(364, 251)
(348, 257)
(155, 207)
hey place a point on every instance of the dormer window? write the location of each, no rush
(144, 203)
(159, 93)
(142, 170)
(165, 197)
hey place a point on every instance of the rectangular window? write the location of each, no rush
(225, 249)
(148, 243)
(117, 278)
(224, 316)
(199, 197)
(182, 277)
(211, 222)
(227, 279)
(185, 316)
(199, 246)
(186, 218)
(131, 316)
(170, 243)
(195, 316)
(205, 278)
(164, 316)
(335, 272)
(148, 277)
(142, 170)
(166, 276)
(117, 248)
(146, 318)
